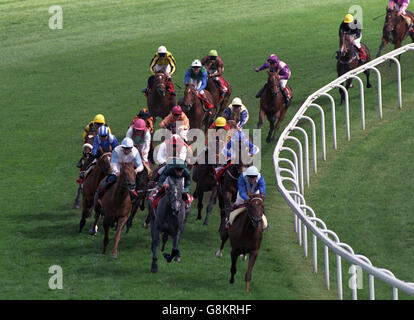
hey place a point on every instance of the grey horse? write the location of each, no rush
(168, 219)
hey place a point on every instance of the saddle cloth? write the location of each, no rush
(241, 209)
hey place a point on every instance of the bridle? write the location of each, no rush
(255, 221)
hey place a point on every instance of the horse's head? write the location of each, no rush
(346, 45)
(104, 162)
(255, 209)
(90, 135)
(273, 83)
(160, 80)
(127, 175)
(189, 97)
(391, 20)
(174, 195)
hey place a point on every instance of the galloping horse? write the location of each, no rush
(246, 236)
(194, 108)
(101, 169)
(141, 184)
(348, 60)
(395, 30)
(219, 101)
(116, 204)
(272, 104)
(168, 219)
(160, 101)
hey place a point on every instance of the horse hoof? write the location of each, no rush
(369, 85)
(92, 232)
(177, 259)
(198, 218)
(219, 254)
(154, 269)
(205, 223)
(268, 140)
(167, 257)
(145, 225)
(114, 256)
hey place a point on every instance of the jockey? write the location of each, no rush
(250, 182)
(125, 152)
(237, 111)
(197, 75)
(146, 116)
(163, 61)
(354, 29)
(401, 6)
(215, 67)
(282, 70)
(94, 125)
(177, 115)
(103, 142)
(174, 147)
(141, 136)
(220, 123)
(84, 161)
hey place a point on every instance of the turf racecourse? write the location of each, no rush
(54, 81)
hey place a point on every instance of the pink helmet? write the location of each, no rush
(140, 124)
(177, 110)
(273, 58)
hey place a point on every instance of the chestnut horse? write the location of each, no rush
(219, 101)
(101, 169)
(246, 235)
(348, 60)
(160, 101)
(272, 104)
(395, 30)
(195, 109)
(116, 204)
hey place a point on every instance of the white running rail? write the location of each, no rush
(305, 218)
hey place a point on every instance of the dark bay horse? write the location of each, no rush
(246, 236)
(101, 169)
(141, 184)
(160, 101)
(168, 219)
(348, 60)
(227, 192)
(194, 108)
(272, 104)
(395, 30)
(219, 101)
(116, 204)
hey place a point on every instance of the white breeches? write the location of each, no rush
(163, 69)
(196, 83)
(283, 83)
(357, 42)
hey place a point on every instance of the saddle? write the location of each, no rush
(207, 105)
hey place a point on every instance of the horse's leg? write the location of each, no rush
(252, 260)
(86, 205)
(382, 45)
(121, 224)
(155, 236)
(142, 206)
(76, 204)
(233, 269)
(106, 225)
(131, 216)
(175, 252)
(272, 121)
(94, 230)
(164, 241)
(261, 117)
(212, 202)
(280, 118)
(367, 73)
(199, 203)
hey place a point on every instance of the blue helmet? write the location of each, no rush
(103, 131)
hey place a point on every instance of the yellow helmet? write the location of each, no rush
(213, 53)
(349, 18)
(220, 122)
(99, 118)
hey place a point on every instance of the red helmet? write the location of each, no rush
(177, 110)
(140, 124)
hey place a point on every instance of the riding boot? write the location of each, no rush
(286, 96)
(259, 94)
(103, 186)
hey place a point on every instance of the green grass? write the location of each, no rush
(54, 81)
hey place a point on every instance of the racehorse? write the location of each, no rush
(101, 169)
(141, 183)
(348, 60)
(169, 219)
(160, 101)
(219, 101)
(116, 204)
(395, 30)
(246, 236)
(272, 104)
(194, 108)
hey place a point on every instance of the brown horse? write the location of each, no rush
(246, 236)
(101, 169)
(272, 104)
(141, 184)
(160, 101)
(348, 60)
(219, 101)
(395, 30)
(116, 204)
(194, 108)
